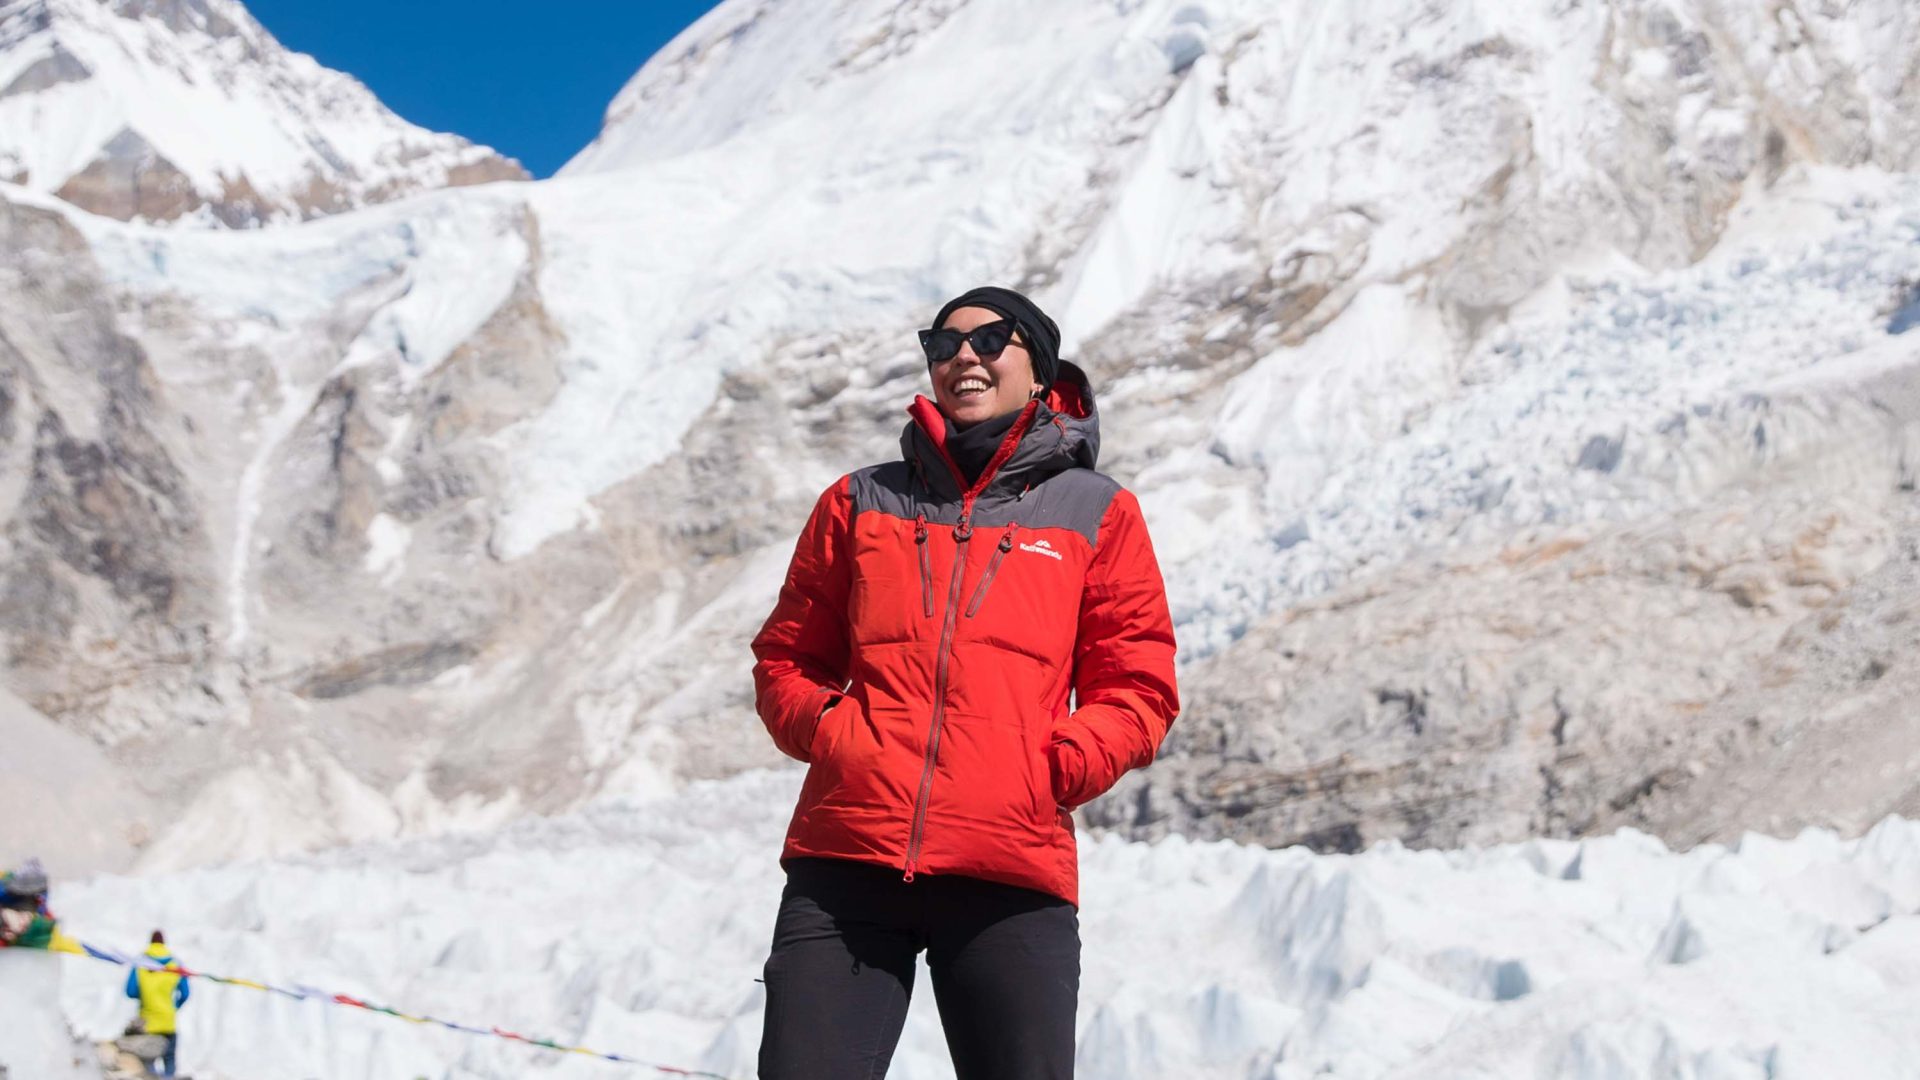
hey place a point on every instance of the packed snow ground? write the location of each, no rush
(640, 928)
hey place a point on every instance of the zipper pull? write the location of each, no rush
(964, 530)
(920, 529)
(908, 878)
(1006, 538)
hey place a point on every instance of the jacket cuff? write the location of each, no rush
(1067, 768)
(803, 714)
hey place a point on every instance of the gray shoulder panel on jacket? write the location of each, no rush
(1074, 499)
(888, 488)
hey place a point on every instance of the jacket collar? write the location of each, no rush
(1056, 433)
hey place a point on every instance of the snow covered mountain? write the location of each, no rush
(1513, 393)
(1524, 401)
(188, 110)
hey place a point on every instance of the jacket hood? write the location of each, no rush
(159, 952)
(1057, 432)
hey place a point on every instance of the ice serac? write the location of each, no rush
(1611, 957)
(36, 1040)
(1515, 395)
(189, 111)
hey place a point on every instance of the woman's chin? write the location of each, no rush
(969, 413)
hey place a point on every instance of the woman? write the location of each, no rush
(937, 614)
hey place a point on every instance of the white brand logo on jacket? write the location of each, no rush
(1041, 547)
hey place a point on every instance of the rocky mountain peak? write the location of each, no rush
(190, 111)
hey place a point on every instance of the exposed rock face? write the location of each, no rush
(1549, 688)
(1823, 731)
(108, 569)
(58, 66)
(131, 180)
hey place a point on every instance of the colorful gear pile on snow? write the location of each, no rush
(25, 920)
(64, 944)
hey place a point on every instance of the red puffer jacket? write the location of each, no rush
(929, 633)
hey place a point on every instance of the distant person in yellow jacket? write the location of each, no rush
(160, 993)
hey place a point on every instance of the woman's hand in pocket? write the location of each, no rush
(1067, 770)
(825, 728)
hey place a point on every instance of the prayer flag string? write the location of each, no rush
(307, 993)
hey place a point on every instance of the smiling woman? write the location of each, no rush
(940, 615)
(980, 367)
(991, 352)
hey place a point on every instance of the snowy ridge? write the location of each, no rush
(765, 128)
(913, 210)
(189, 109)
(640, 928)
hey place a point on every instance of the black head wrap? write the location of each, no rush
(1041, 336)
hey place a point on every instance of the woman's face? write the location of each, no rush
(970, 389)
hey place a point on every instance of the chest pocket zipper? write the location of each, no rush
(993, 567)
(926, 565)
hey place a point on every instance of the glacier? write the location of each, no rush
(1517, 395)
(638, 928)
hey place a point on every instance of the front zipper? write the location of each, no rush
(962, 532)
(926, 565)
(993, 567)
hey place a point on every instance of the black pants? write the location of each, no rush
(1005, 963)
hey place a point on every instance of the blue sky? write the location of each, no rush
(530, 80)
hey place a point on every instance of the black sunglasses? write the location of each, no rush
(988, 341)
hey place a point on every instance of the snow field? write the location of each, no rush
(639, 929)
